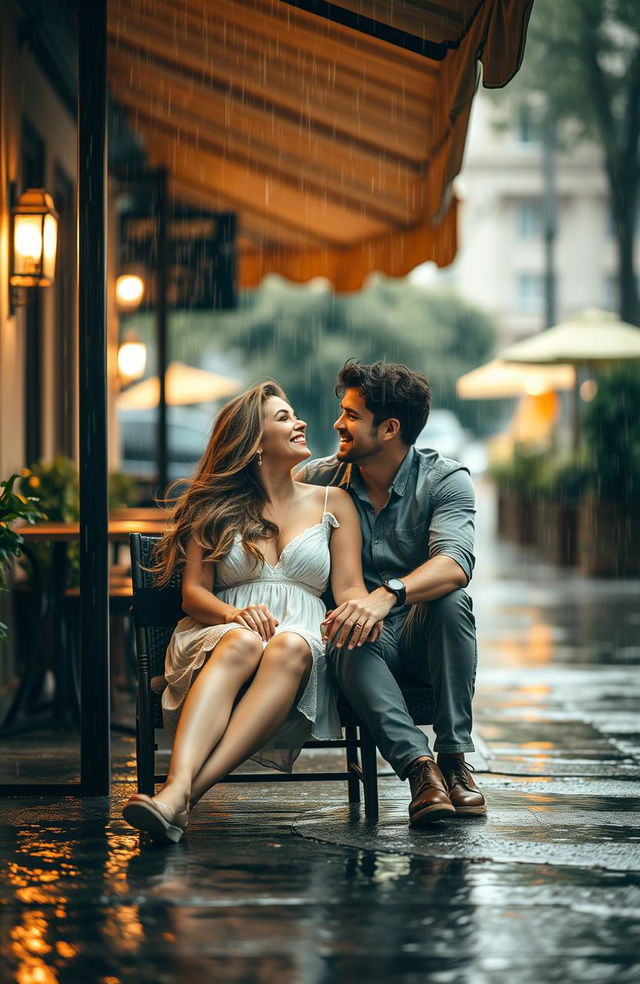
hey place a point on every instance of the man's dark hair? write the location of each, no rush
(389, 390)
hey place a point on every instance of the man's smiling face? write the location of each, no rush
(359, 437)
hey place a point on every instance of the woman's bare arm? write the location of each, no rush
(347, 583)
(346, 549)
(198, 599)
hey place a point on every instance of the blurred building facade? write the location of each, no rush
(500, 264)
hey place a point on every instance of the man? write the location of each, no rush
(417, 513)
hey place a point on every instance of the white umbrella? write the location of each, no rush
(592, 336)
(498, 380)
(184, 384)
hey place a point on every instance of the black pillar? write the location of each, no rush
(226, 286)
(92, 321)
(162, 272)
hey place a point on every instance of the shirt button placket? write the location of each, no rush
(377, 535)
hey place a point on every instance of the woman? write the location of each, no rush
(257, 549)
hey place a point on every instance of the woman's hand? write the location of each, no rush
(257, 618)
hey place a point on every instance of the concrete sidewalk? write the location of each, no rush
(286, 883)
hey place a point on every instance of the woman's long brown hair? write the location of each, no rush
(224, 498)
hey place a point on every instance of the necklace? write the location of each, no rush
(282, 524)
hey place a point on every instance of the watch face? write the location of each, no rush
(395, 584)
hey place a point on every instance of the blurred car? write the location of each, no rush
(444, 433)
(188, 431)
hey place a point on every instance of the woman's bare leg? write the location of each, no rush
(206, 711)
(283, 672)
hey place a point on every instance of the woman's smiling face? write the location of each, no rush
(283, 434)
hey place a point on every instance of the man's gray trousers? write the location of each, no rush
(433, 642)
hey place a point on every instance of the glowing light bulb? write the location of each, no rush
(132, 359)
(28, 240)
(129, 290)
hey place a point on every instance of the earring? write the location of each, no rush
(260, 458)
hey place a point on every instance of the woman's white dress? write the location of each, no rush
(292, 591)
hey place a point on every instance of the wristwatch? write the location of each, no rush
(397, 587)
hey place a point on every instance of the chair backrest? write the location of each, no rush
(156, 611)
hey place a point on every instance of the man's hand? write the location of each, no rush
(360, 619)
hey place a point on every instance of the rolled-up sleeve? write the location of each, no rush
(452, 526)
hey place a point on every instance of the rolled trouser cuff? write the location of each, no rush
(443, 749)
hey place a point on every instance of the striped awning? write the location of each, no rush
(332, 130)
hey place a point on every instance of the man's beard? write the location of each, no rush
(352, 452)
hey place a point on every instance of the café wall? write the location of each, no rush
(26, 92)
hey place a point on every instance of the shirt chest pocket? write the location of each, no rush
(409, 543)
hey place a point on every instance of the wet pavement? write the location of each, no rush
(287, 883)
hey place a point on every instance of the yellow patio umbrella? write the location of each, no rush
(592, 337)
(499, 380)
(184, 384)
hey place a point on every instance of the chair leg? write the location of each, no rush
(353, 766)
(370, 774)
(145, 745)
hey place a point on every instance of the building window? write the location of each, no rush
(530, 293)
(527, 127)
(611, 293)
(528, 219)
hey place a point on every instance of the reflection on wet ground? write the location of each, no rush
(285, 883)
(244, 900)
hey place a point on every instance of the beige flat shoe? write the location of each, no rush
(155, 819)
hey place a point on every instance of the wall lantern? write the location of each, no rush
(132, 358)
(35, 239)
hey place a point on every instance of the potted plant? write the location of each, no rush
(56, 484)
(566, 482)
(123, 491)
(13, 507)
(610, 514)
(518, 483)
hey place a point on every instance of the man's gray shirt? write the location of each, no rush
(430, 511)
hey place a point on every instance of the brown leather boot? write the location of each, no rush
(463, 792)
(430, 799)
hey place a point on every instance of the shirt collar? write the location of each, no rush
(401, 477)
(351, 477)
(346, 478)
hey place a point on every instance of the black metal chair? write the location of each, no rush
(156, 612)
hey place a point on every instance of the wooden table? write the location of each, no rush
(118, 529)
(60, 535)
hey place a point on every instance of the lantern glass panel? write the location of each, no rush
(50, 243)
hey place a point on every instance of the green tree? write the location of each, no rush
(302, 337)
(584, 55)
